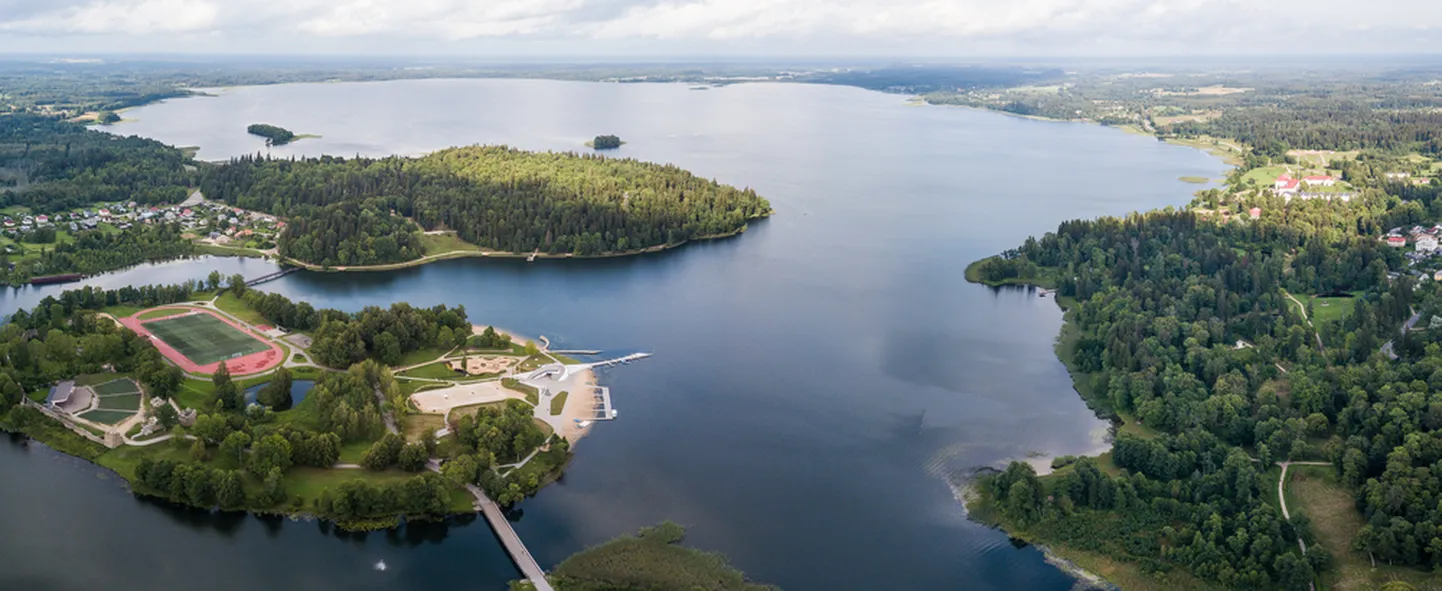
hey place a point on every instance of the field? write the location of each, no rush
(121, 386)
(1330, 309)
(232, 305)
(204, 339)
(1265, 176)
(558, 402)
(442, 243)
(127, 402)
(108, 417)
(1314, 491)
(161, 313)
(434, 371)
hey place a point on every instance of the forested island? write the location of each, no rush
(1246, 336)
(274, 135)
(605, 142)
(363, 211)
(651, 559)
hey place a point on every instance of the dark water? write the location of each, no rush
(298, 390)
(821, 384)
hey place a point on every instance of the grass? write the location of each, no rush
(435, 371)
(558, 403)
(443, 243)
(125, 402)
(532, 395)
(651, 560)
(161, 313)
(1315, 492)
(533, 362)
(1265, 176)
(1330, 309)
(470, 409)
(204, 339)
(307, 483)
(120, 386)
(1196, 180)
(228, 303)
(412, 426)
(421, 356)
(227, 251)
(121, 311)
(108, 417)
(351, 453)
(545, 428)
(301, 416)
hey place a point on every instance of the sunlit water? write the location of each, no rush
(821, 384)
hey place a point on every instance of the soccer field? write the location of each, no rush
(204, 339)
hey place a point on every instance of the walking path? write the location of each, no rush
(1282, 498)
(507, 534)
(1303, 308)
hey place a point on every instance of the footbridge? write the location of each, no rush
(560, 372)
(271, 276)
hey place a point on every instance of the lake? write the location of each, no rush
(821, 387)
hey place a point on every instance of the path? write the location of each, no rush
(385, 414)
(1303, 308)
(1387, 348)
(517, 549)
(1282, 498)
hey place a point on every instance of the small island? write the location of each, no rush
(274, 135)
(605, 142)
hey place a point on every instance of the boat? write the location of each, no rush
(381, 566)
(49, 279)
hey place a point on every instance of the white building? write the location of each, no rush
(1426, 243)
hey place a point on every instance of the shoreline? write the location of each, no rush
(500, 254)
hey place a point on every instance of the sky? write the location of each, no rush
(658, 29)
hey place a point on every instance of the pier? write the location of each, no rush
(271, 276)
(604, 411)
(608, 362)
(526, 563)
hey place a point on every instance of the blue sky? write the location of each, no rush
(497, 29)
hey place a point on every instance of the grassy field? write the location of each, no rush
(120, 386)
(204, 339)
(1196, 180)
(161, 313)
(421, 356)
(1314, 491)
(227, 251)
(232, 305)
(412, 426)
(442, 243)
(1265, 176)
(121, 311)
(470, 409)
(124, 402)
(558, 403)
(1325, 310)
(435, 371)
(108, 417)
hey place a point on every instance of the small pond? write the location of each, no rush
(298, 390)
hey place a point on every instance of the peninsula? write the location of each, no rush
(194, 393)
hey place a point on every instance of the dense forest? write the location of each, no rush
(652, 559)
(50, 165)
(357, 211)
(1186, 325)
(1325, 124)
(274, 136)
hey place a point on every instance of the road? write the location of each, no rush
(1387, 348)
(1303, 308)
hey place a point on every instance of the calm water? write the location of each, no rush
(821, 385)
(298, 390)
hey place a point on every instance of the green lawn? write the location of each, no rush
(421, 356)
(414, 425)
(120, 386)
(352, 452)
(108, 417)
(125, 402)
(532, 395)
(442, 243)
(558, 402)
(234, 306)
(533, 362)
(121, 311)
(203, 338)
(1326, 310)
(434, 371)
(1265, 176)
(227, 251)
(161, 313)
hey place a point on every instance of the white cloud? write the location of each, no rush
(826, 26)
(130, 17)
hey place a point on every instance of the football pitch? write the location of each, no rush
(204, 339)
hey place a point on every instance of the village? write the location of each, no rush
(204, 221)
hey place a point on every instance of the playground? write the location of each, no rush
(199, 341)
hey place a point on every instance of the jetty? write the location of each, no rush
(575, 351)
(506, 534)
(609, 362)
(271, 276)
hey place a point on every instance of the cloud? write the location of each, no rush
(822, 26)
(130, 17)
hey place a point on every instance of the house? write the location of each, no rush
(1426, 243)
(1255, 212)
(1319, 180)
(42, 219)
(1396, 241)
(1397, 176)
(1286, 185)
(1437, 276)
(105, 213)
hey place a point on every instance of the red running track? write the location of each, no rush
(249, 364)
